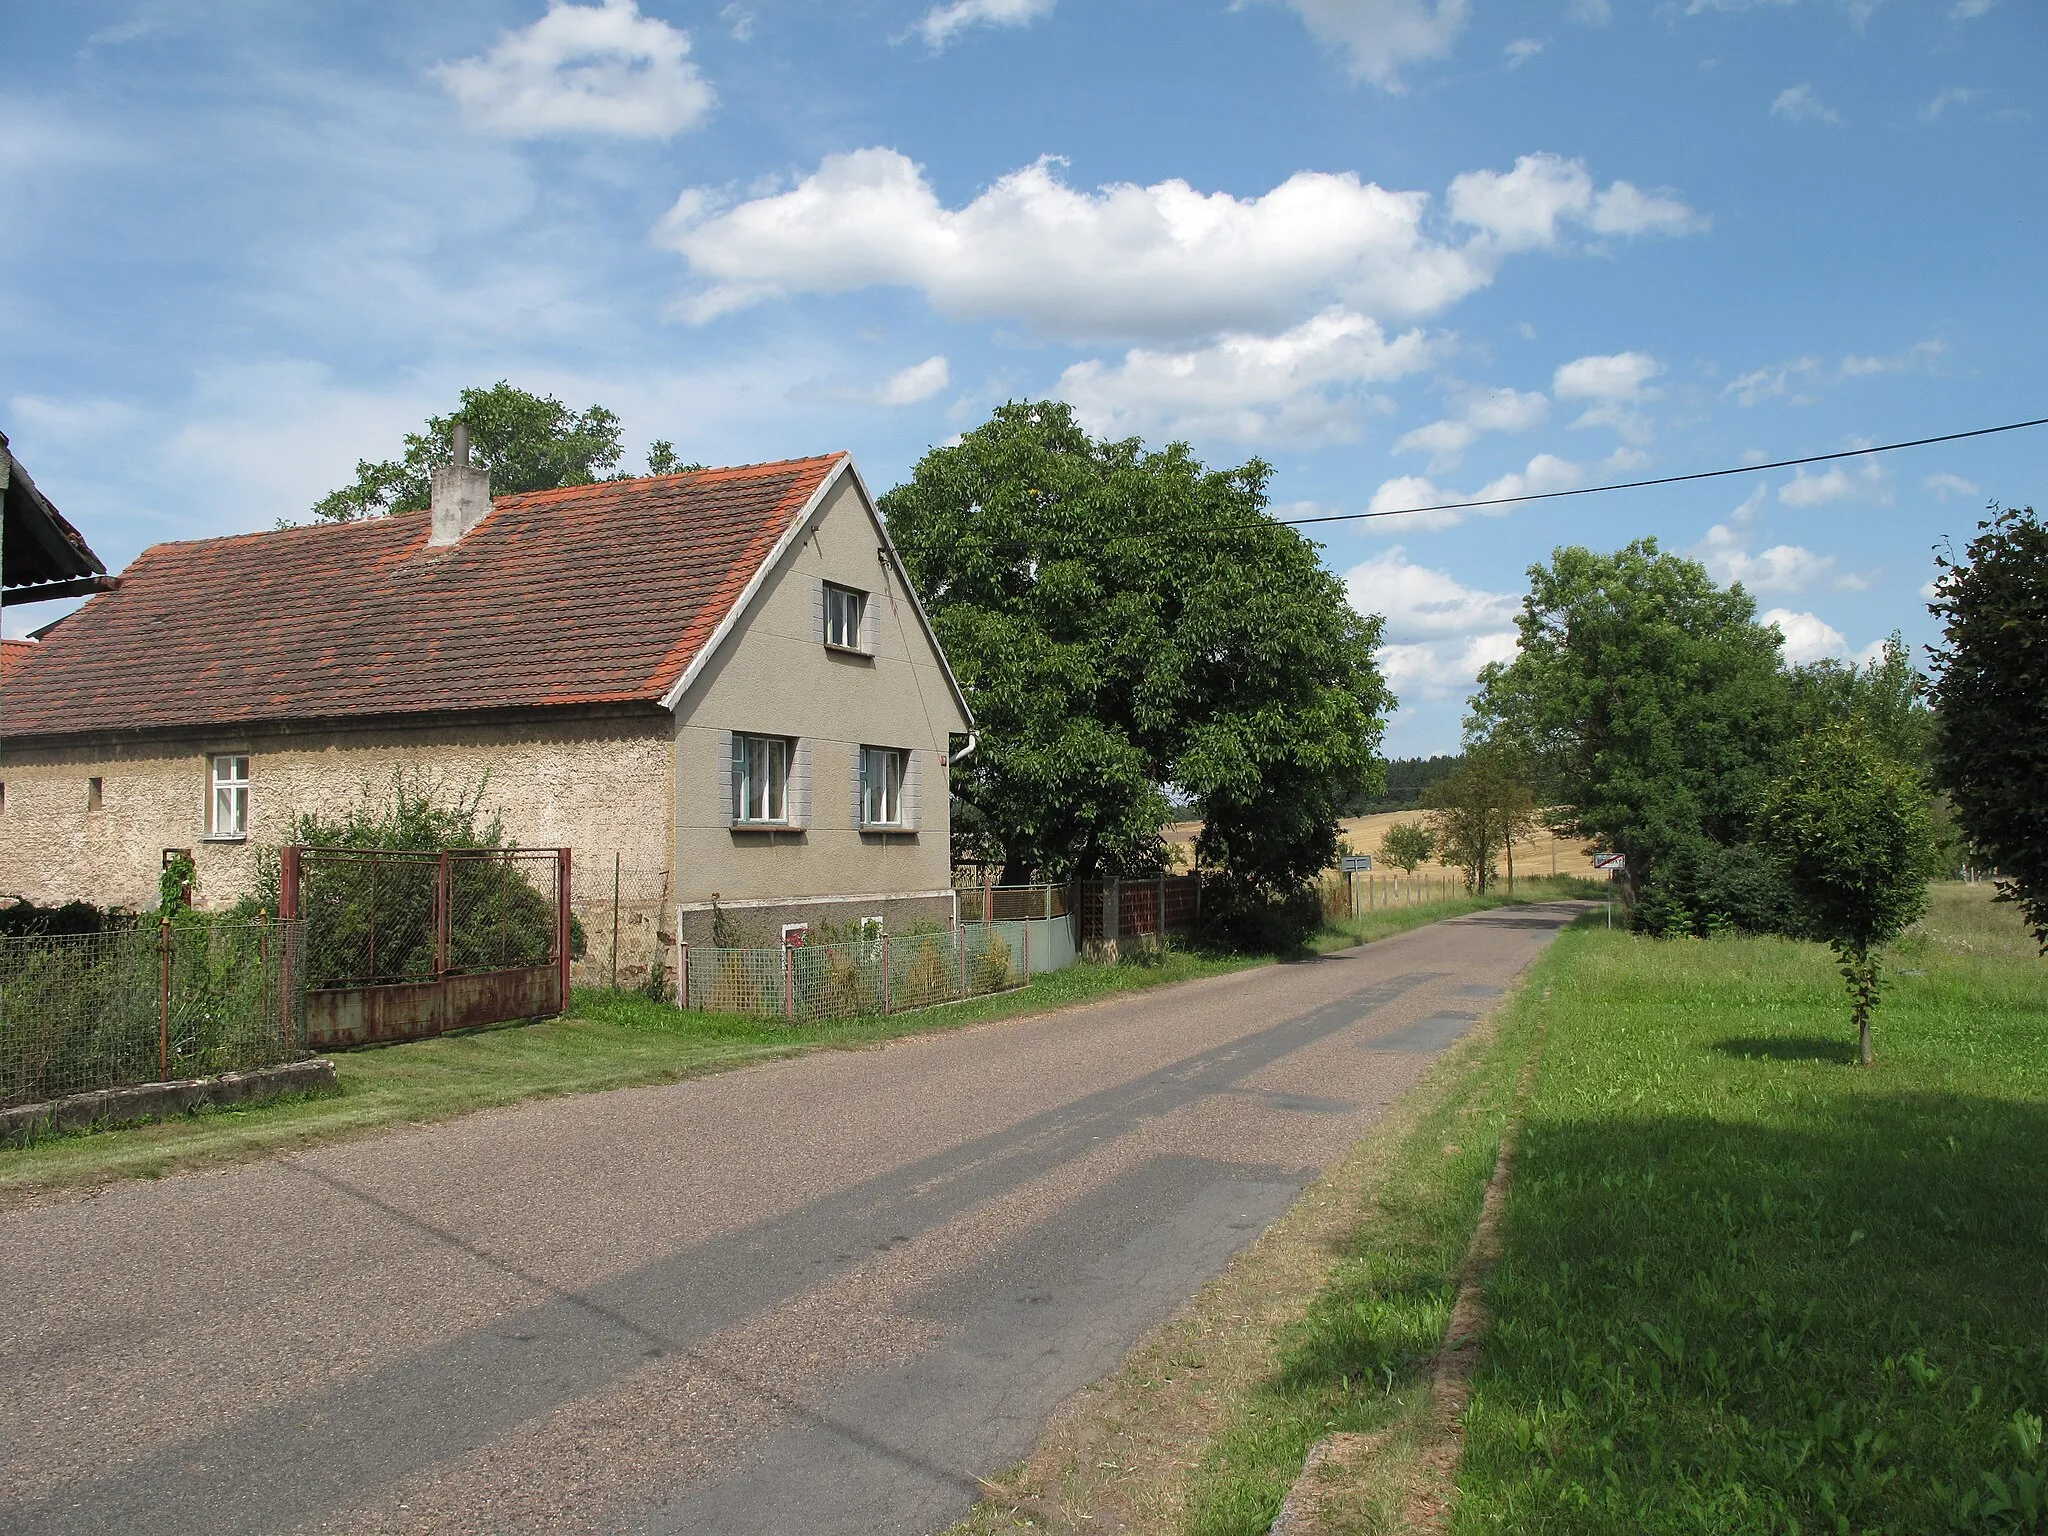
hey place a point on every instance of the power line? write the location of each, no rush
(1637, 485)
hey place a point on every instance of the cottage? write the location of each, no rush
(723, 675)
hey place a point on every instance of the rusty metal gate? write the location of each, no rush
(403, 944)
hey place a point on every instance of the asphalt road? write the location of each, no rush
(821, 1295)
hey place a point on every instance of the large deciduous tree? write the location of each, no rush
(1851, 824)
(528, 442)
(1129, 623)
(1650, 701)
(1476, 813)
(1991, 691)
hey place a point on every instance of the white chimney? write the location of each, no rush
(462, 494)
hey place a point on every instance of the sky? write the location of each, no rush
(1405, 251)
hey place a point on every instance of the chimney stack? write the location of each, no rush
(462, 494)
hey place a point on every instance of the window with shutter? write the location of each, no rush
(881, 776)
(760, 780)
(845, 618)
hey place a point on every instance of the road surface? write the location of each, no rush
(819, 1295)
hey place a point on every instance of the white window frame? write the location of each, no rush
(227, 791)
(886, 809)
(846, 615)
(760, 779)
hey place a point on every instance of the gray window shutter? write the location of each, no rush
(871, 624)
(728, 776)
(818, 611)
(860, 785)
(913, 785)
(800, 783)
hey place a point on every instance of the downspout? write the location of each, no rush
(973, 741)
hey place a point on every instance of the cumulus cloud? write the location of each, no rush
(1416, 495)
(1808, 637)
(944, 22)
(1480, 412)
(1378, 37)
(584, 69)
(1615, 386)
(920, 381)
(1440, 632)
(1522, 209)
(1800, 381)
(1946, 485)
(1781, 568)
(1837, 482)
(1955, 96)
(1300, 385)
(1523, 49)
(1802, 104)
(1159, 262)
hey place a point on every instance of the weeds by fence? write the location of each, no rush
(192, 997)
(880, 975)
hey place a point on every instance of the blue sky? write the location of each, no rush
(1405, 250)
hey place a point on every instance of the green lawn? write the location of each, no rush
(1748, 1286)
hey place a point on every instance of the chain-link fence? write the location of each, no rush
(622, 919)
(878, 975)
(192, 997)
(380, 917)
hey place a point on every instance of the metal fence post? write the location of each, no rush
(615, 920)
(163, 999)
(1027, 951)
(885, 975)
(562, 866)
(1160, 915)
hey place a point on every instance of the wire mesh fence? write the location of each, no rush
(192, 997)
(622, 933)
(862, 977)
(377, 917)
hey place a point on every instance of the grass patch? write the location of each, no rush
(1749, 1287)
(1358, 1360)
(609, 1040)
(1384, 922)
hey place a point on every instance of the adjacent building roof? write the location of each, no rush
(13, 652)
(41, 555)
(588, 595)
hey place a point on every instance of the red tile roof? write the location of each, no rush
(12, 654)
(592, 594)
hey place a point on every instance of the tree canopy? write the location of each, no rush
(1647, 698)
(1476, 812)
(1850, 821)
(1130, 624)
(1992, 690)
(528, 442)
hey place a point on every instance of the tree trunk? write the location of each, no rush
(1863, 1051)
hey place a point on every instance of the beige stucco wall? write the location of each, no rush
(597, 785)
(774, 676)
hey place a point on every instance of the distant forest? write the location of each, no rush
(1408, 780)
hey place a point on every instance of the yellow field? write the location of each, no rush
(1538, 855)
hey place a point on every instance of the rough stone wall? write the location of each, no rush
(597, 784)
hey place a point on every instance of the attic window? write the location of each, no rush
(845, 612)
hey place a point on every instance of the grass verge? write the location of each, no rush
(1750, 1287)
(609, 1040)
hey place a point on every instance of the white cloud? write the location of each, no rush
(1970, 10)
(1802, 104)
(1160, 262)
(1300, 385)
(1523, 49)
(740, 19)
(71, 419)
(920, 381)
(1440, 671)
(1800, 381)
(1425, 604)
(1782, 568)
(584, 69)
(1413, 495)
(943, 22)
(1955, 96)
(1591, 13)
(1807, 636)
(1482, 411)
(1380, 36)
(1521, 209)
(1920, 355)
(1615, 385)
(1946, 485)
(1836, 483)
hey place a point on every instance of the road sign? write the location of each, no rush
(1355, 863)
(1611, 863)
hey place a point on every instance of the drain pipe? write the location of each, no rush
(973, 741)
